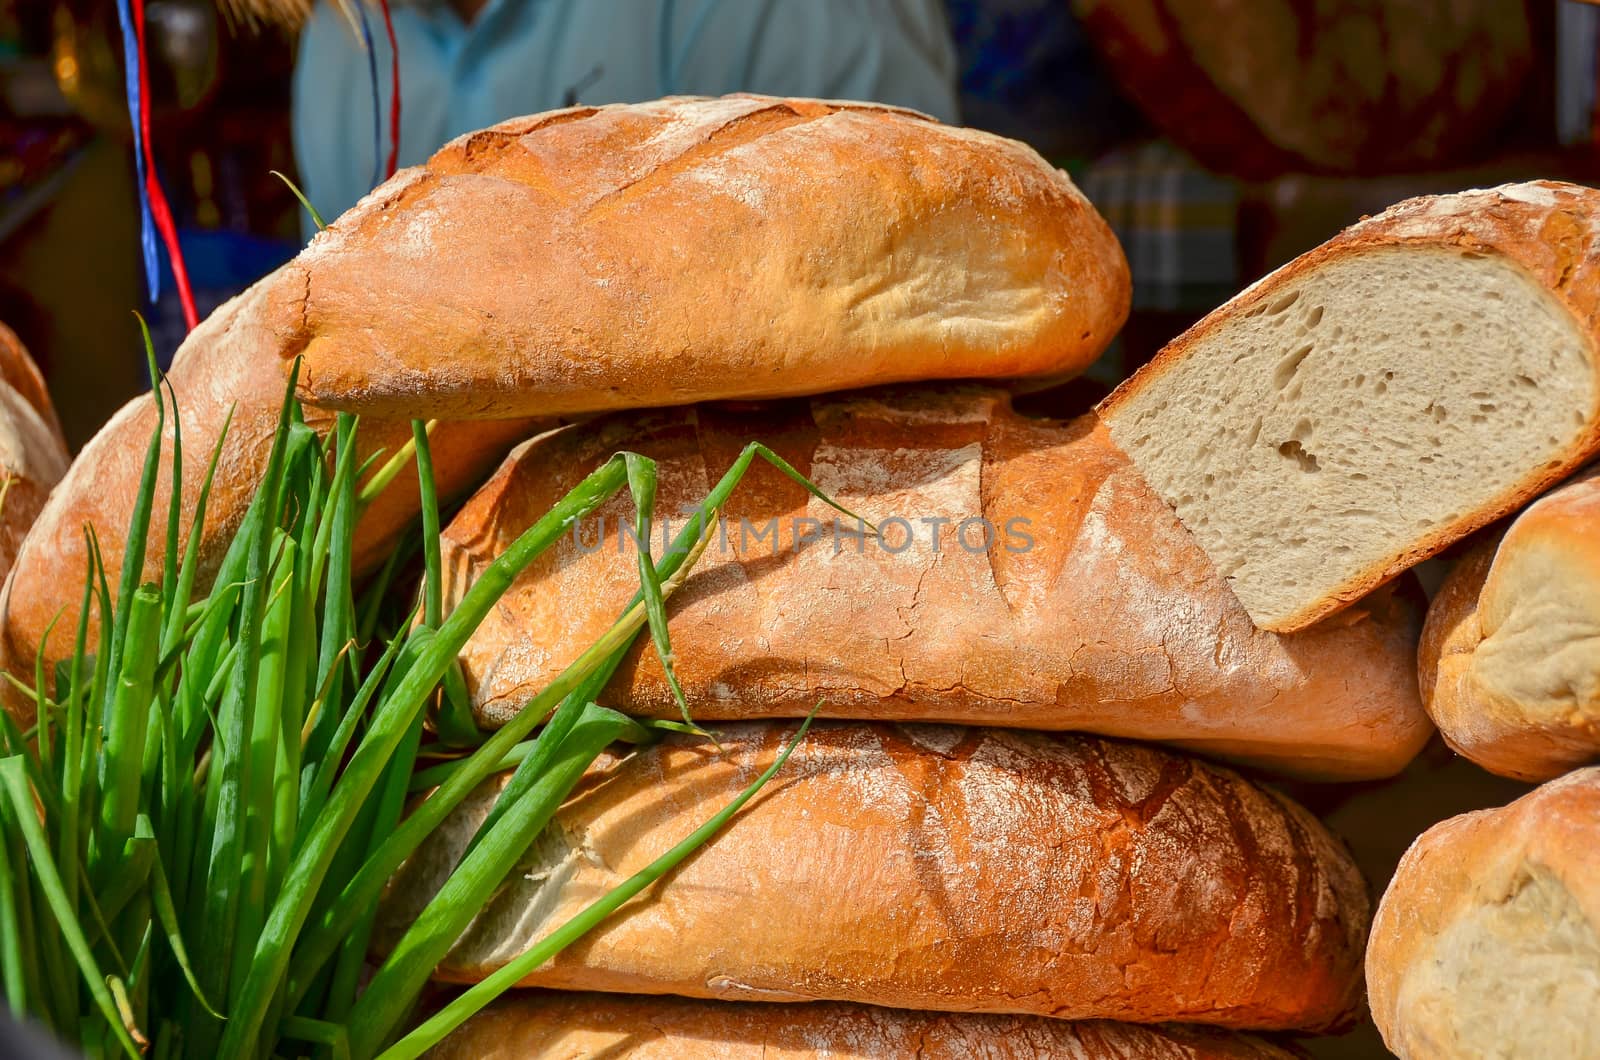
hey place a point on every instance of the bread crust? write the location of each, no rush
(1113, 621)
(563, 1026)
(226, 363)
(1510, 660)
(20, 373)
(938, 868)
(33, 454)
(1549, 229)
(1470, 866)
(692, 249)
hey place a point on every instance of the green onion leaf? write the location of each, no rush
(14, 782)
(433, 1030)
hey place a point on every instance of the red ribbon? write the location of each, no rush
(394, 95)
(158, 199)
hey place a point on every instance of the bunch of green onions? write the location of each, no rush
(195, 834)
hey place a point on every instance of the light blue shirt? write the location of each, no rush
(525, 56)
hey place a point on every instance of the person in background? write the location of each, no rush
(466, 64)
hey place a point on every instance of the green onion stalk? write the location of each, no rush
(196, 831)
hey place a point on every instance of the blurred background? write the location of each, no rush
(1220, 138)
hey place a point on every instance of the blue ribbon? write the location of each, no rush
(147, 228)
(377, 103)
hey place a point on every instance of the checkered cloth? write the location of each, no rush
(1177, 222)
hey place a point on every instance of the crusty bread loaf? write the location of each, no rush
(562, 1026)
(691, 249)
(1424, 373)
(19, 372)
(1113, 621)
(1361, 86)
(227, 363)
(33, 455)
(1510, 659)
(931, 867)
(1487, 943)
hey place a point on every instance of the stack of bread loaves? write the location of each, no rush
(1238, 614)
(1458, 324)
(1213, 561)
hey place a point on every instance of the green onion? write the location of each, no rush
(475, 997)
(195, 834)
(21, 816)
(467, 891)
(295, 188)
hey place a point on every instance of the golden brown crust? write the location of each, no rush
(20, 373)
(564, 1026)
(692, 249)
(932, 867)
(33, 454)
(227, 363)
(1549, 228)
(1449, 634)
(1113, 621)
(1461, 874)
(1510, 658)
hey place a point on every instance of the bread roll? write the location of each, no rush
(926, 867)
(1510, 660)
(1362, 86)
(562, 1026)
(226, 363)
(33, 455)
(1093, 609)
(1487, 943)
(690, 249)
(1422, 374)
(19, 372)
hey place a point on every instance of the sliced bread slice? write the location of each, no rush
(1423, 373)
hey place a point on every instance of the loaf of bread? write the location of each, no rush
(1362, 86)
(227, 363)
(929, 867)
(562, 1026)
(1422, 374)
(33, 455)
(692, 249)
(1510, 659)
(1083, 605)
(19, 372)
(1487, 942)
